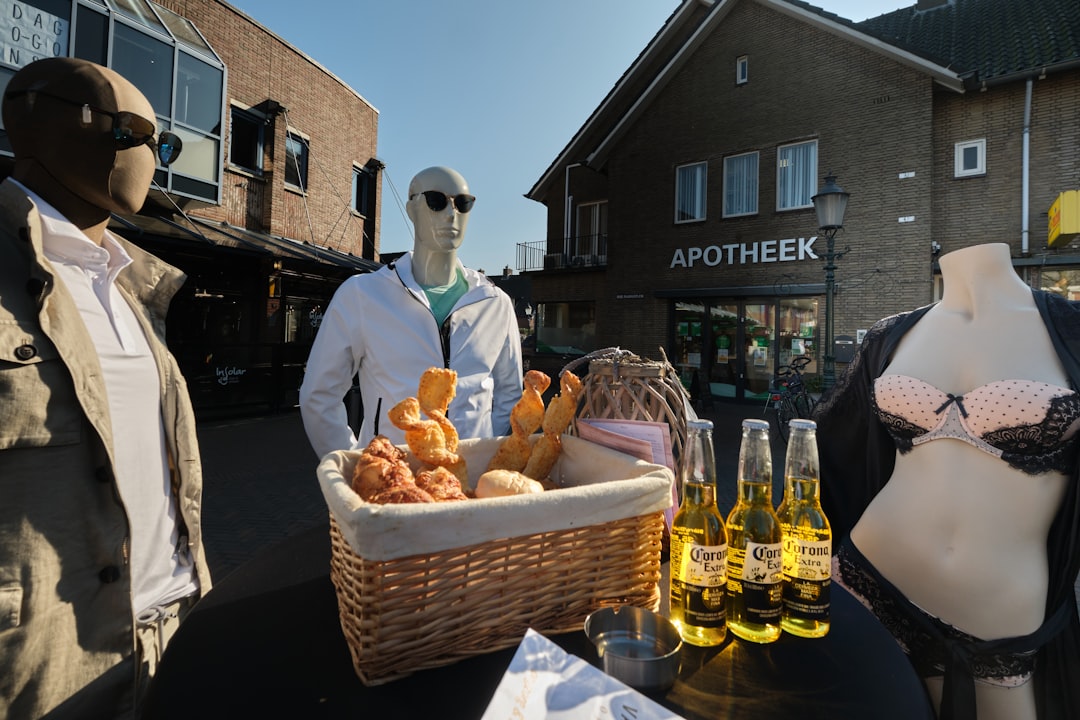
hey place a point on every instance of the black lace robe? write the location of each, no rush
(858, 456)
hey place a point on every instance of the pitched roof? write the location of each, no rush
(987, 40)
(959, 43)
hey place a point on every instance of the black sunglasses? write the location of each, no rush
(128, 129)
(438, 201)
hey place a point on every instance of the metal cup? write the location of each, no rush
(636, 646)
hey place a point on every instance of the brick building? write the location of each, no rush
(680, 214)
(274, 200)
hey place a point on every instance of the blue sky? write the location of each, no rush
(492, 88)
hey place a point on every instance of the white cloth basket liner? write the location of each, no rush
(596, 485)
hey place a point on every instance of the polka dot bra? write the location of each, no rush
(1032, 426)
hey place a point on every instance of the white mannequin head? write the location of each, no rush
(437, 234)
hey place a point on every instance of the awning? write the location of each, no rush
(179, 229)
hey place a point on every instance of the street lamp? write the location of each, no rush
(830, 204)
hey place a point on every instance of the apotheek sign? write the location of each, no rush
(28, 34)
(766, 251)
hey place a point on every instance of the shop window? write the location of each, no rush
(361, 190)
(199, 160)
(690, 192)
(567, 328)
(296, 161)
(154, 48)
(148, 64)
(741, 185)
(796, 175)
(198, 94)
(1060, 281)
(742, 69)
(246, 140)
(92, 40)
(303, 316)
(970, 158)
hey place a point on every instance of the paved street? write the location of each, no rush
(260, 483)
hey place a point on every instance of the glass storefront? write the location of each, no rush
(160, 52)
(732, 347)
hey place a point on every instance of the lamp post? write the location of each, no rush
(830, 204)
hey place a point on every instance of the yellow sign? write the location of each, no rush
(1064, 219)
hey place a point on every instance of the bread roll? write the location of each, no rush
(498, 483)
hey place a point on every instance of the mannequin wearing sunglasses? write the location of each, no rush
(423, 310)
(100, 478)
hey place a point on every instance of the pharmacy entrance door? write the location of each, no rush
(732, 347)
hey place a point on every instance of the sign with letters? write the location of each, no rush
(766, 251)
(28, 33)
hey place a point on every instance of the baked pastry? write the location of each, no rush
(525, 418)
(441, 484)
(560, 411)
(499, 483)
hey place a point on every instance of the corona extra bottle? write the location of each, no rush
(807, 537)
(699, 545)
(754, 543)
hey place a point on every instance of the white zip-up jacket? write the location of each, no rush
(380, 326)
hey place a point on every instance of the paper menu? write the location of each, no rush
(544, 682)
(645, 440)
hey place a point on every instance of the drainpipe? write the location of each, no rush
(1026, 173)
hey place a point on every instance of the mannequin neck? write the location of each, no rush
(433, 268)
(89, 218)
(981, 276)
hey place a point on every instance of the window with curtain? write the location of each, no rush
(796, 174)
(741, 185)
(690, 192)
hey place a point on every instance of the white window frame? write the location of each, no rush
(799, 180)
(980, 162)
(700, 177)
(747, 185)
(742, 69)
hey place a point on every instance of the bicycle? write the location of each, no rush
(789, 397)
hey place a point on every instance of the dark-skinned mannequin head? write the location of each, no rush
(69, 157)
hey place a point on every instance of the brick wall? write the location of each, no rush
(885, 130)
(341, 125)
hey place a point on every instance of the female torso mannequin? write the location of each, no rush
(961, 533)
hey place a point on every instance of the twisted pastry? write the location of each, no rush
(560, 412)
(525, 418)
(437, 388)
(426, 438)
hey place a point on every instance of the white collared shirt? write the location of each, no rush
(160, 573)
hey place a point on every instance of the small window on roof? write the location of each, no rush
(742, 69)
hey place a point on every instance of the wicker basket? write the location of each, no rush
(402, 614)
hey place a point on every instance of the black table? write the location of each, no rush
(266, 642)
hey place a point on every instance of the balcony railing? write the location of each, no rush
(582, 251)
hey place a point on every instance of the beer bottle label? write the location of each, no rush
(699, 575)
(807, 578)
(761, 576)
(807, 559)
